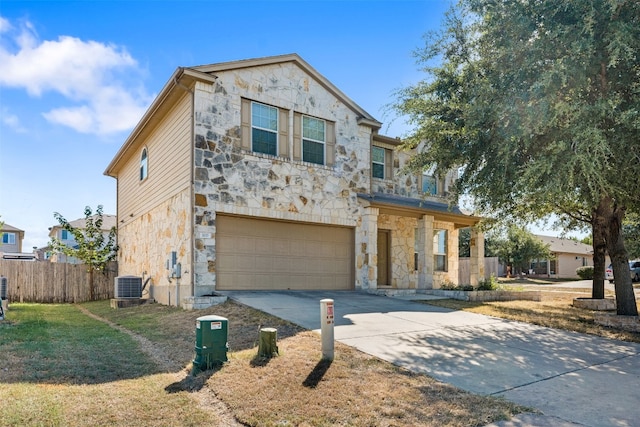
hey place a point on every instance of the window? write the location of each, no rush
(65, 235)
(143, 165)
(313, 140)
(377, 162)
(431, 184)
(9, 238)
(264, 129)
(440, 250)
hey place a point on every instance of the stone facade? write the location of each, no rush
(228, 178)
(147, 242)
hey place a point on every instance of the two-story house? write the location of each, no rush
(11, 239)
(67, 238)
(261, 174)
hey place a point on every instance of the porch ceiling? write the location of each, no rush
(416, 208)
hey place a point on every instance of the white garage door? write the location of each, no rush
(264, 254)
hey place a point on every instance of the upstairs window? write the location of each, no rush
(144, 168)
(65, 235)
(377, 162)
(440, 250)
(431, 184)
(9, 238)
(264, 129)
(313, 140)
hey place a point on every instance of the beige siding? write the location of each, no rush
(155, 215)
(169, 161)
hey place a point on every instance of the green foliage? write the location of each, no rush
(93, 248)
(538, 104)
(585, 273)
(518, 247)
(490, 284)
(631, 232)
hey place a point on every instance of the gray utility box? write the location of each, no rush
(211, 342)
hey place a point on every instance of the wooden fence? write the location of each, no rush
(53, 282)
(491, 266)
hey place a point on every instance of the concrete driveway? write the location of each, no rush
(572, 378)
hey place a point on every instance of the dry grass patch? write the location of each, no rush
(298, 388)
(554, 311)
(62, 365)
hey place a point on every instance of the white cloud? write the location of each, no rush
(94, 76)
(12, 121)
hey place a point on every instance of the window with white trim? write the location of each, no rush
(144, 165)
(264, 129)
(440, 250)
(65, 235)
(9, 238)
(313, 140)
(377, 162)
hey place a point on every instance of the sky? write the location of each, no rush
(76, 76)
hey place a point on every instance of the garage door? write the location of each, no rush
(265, 254)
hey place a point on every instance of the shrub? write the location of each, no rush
(490, 284)
(585, 273)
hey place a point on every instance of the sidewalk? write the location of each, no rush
(573, 379)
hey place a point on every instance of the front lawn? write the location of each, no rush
(63, 365)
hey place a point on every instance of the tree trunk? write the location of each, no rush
(598, 231)
(625, 297)
(91, 286)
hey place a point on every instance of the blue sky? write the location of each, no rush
(75, 77)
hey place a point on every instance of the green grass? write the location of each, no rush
(59, 344)
(62, 367)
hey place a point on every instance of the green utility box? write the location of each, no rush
(211, 342)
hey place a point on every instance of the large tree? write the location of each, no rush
(94, 247)
(538, 102)
(517, 247)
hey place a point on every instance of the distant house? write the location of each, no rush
(11, 239)
(261, 174)
(108, 222)
(567, 256)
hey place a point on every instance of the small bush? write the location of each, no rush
(490, 284)
(585, 273)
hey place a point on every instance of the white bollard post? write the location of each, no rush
(326, 329)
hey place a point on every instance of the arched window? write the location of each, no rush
(144, 169)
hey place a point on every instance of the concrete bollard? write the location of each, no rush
(326, 329)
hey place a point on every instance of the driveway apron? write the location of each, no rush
(571, 377)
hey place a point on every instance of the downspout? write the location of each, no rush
(191, 182)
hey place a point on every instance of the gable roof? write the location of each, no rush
(7, 227)
(184, 77)
(108, 222)
(560, 245)
(364, 117)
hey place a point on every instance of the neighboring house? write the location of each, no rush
(11, 244)
(261, 174)
(567, 256)
(12, 238)
(66, 237)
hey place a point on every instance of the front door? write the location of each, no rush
(384, 270)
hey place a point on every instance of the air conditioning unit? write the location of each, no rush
(3, 287)
(128, 287)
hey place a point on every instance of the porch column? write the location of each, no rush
(367, 262)
(424, 248)
(476, 245)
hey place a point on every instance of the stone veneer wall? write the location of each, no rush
(169, 226)
(402, 229)
(451, 275)
(408, 184)
(230, 180)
